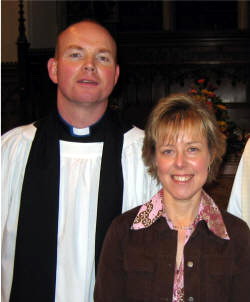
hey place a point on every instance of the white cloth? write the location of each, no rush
(239, 202)
(79, 170)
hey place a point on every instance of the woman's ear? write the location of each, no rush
(212, 157)
(155, 162)
(52, 70)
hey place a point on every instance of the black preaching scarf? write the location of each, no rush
(34, 276)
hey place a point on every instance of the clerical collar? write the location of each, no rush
(76, 132)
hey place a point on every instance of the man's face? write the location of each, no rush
(85, 66)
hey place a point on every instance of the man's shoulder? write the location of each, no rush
(25, 132)
(133, 135)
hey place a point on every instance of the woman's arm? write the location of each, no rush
(110, 275)
(240, 287)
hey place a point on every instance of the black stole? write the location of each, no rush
(34, 276)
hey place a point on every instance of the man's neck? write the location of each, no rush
(82, 116)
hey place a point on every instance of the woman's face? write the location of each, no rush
(182, 165)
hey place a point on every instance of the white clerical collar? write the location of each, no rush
(79, 132)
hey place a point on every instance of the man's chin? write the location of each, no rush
(90, 102)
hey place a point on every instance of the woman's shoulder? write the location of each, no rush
(127, 218)
(121, 225)
(236, 227)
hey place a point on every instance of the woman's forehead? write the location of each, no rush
(190, 132)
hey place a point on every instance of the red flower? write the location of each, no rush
(201, 81)
(211, 94)
(209, 104)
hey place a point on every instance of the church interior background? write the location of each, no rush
(164, 47)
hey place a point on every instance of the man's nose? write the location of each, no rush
(89, 65)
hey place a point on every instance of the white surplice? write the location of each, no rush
(79, 180)
(239, 202)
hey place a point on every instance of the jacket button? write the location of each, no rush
(190, 264)
(190, 299)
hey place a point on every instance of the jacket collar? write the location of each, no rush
(208, 212)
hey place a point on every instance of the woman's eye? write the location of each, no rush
(193, 149)
(167, 151)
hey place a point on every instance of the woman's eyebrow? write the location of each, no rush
(194, 142)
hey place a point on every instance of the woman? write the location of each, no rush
(178, 246)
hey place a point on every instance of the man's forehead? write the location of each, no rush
(87, 29)
(87, 32)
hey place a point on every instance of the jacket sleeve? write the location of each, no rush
(110, 275)
(240, 288)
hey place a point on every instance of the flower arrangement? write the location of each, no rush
(203, 91)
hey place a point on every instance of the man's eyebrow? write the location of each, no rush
(77, 47)
(74, 47)
(104, 50)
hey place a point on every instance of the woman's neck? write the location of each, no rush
(182, 213)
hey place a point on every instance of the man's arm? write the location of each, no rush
(239, 204)
(234, 205)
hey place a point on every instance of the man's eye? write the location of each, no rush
(75, 55)
(103, 58)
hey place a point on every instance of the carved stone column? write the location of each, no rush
(23, 66)
(243, 14)
(167, 15)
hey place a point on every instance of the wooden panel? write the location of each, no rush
(220, 190)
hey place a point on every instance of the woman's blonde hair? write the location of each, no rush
(176, 113)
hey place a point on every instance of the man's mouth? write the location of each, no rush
(91, 82)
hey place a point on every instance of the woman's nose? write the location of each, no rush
(180, 159)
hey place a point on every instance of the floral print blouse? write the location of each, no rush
(208, 211)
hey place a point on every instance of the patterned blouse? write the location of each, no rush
(208, 211)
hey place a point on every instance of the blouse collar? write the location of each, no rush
(208, 211)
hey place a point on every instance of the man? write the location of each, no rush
(67, 176)
(239, 202)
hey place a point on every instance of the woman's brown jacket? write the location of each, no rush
(138, 265)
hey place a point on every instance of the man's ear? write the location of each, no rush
(117, 73)
(52, 70)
